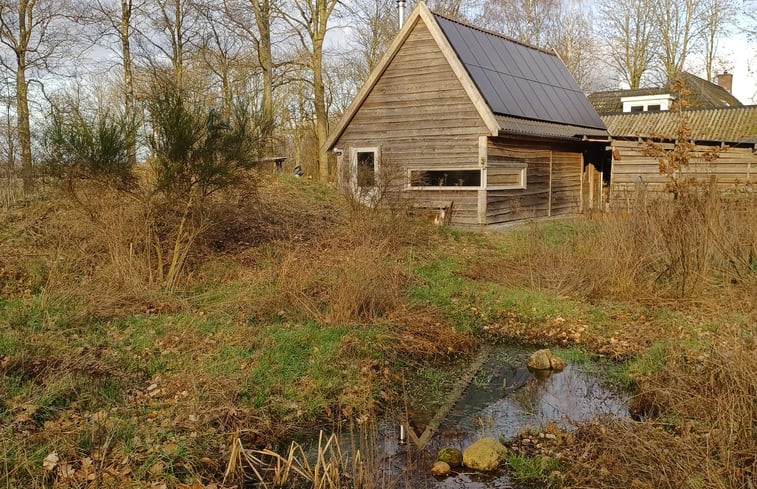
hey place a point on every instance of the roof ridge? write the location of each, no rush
(493, 33)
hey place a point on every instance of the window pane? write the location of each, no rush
(445, 178)
(637, 108)
(366, 174)
(653, 108)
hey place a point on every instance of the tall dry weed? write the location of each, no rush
(699, 430)
(677, 248)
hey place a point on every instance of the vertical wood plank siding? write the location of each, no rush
(420, 115)
(566, 183)
(734, 171)
(551, 168)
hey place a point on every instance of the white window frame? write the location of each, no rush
(376, 150)
(521, 166)
(410, 185)
(664, 100)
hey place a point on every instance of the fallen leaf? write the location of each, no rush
(66, 471)
(50, 461)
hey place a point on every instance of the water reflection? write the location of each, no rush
(504, 399)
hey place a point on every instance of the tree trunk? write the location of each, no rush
(24, 133)
(126, 9)
(262, 10)
(319, 90)
(178, 45)
(319, 98)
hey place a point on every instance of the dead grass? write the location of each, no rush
(698, 428)
(291, 313)
(677, 249)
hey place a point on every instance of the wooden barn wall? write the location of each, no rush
(566, 182)
(734, 170)
(421, 119)
(550, 166)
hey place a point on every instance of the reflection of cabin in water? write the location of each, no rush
(491, 128)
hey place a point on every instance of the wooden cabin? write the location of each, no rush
(731, 133)
(471, 124)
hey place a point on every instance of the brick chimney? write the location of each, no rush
(725, 80)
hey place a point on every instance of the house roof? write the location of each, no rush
(519, 80)
(516, 88)
(703, 95)
(730, 125)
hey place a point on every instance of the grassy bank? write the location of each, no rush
(298, 310)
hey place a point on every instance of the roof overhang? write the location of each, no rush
(552, 130)
(420, 13)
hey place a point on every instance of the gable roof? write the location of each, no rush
(730, 125)
(515, 88)
(703, 95)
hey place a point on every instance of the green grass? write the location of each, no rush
(532, 469)
(297, 367)
(535, 306)
(651, 360)
(575, 355)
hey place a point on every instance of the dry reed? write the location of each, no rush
(698, 432)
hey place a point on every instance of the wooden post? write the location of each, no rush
(549, 194)
(483, 152)
(584, 173)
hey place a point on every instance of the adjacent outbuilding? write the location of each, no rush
(729, 133)
(473, 126)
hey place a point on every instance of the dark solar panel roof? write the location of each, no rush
(519, 80)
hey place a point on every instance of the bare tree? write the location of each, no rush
(172, 32)
(749, 18)
(28, 33)
(220, 50)
(374, 25)
(114, 20)
(525, 20)
(718, 20)
(310, 21)
(679, 24)
(629, 32)
(259, 31)
(8, 127)
(574, 40)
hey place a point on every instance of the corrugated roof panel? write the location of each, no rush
(547, 129)
(731, 125)
(538, 84)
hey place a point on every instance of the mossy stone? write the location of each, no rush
(452, 456)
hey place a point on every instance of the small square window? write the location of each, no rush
(653, 108)
(637, 108)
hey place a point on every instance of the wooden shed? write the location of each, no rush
(467, 121)
(731, 132)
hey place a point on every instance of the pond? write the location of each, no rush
(502, 399)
